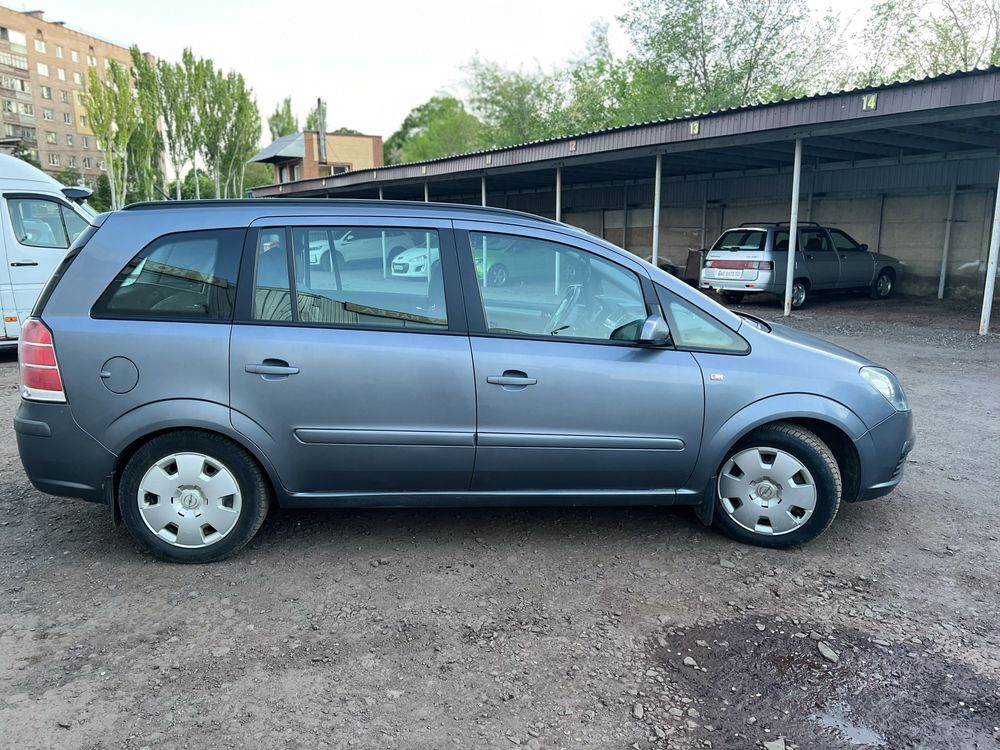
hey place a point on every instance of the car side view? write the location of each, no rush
(190, 364)
(753, 258)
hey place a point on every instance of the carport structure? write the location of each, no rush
(912, 169)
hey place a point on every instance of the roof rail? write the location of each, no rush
(776, 223)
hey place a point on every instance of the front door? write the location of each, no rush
(37, 230)
(821, 261)
(352, 380)
(857, 266)
(567, 400)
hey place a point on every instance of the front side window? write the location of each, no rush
(183, 276)
(541, 288)
(362, 277)
(38, 222)
(692, 328)
(843, 242)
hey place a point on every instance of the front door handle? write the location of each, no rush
(20, 263)
(511, 378)
(272, 367)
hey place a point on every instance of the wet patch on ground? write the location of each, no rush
(781, 684)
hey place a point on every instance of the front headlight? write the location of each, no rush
(885, 383)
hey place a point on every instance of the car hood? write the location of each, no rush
(815, 343)
(415, 252)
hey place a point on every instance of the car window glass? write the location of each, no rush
(814, 241)
(74, 224)
(360, 276)
(741, 239)
(178, 276)
(692, 328)
(540, 288)
(38, 222)
(781, 241)
(842, 242)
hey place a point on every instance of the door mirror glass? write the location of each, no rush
(654, 331)
(863, 247)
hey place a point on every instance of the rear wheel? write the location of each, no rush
(778, 487)
(192, 497)
(497, 275)
(732, 298)
(800, 289)
(883, 285)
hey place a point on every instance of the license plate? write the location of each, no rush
(728, 274)
(399, 267)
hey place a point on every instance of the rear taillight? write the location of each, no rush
(741, 265)
(40, 379)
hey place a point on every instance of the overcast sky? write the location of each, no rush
(372, 61)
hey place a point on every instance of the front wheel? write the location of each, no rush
(192, 497)
(883, 285)
(778, 487)
(799, 292)
(497, 275)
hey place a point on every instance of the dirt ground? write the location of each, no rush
(540, 628)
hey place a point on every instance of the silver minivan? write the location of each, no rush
(753, 258)
(188, 366)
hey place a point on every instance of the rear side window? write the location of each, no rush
(183, 276)
(741, 239)
(356, 277)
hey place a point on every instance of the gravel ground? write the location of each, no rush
(539, 628)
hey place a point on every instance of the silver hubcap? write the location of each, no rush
(798, 294)
(767, 491)
(189, 500)
(884, 285)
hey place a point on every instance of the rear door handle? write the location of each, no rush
(19, 263)
(511, 377)
(272, 367)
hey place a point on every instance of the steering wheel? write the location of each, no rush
(573, 292)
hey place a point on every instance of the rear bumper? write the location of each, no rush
(883, 451)
(59, 457)
(739, 285)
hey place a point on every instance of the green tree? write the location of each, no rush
(100, 200)
(514, 106)
(313, 118)
(113, 111)
(177, 110)
(22, 152)
(347, 131)
(282, 121)
(192, 186)
(256, 173)
(242, 138)
(439, 127)
(145, 147)
(731, 53)
(194, 78)
(70, 176)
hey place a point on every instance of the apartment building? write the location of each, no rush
(43, 74)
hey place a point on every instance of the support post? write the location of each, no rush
(656, 208)
(427, 193)
(558, 218)
(991, 266)
(482, 189)
(793, 226)
(704, 216)
(949, 220)
(380, 196)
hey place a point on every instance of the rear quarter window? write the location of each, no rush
(182, 276)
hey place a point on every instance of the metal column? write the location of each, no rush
(793, 226)
(947, 238)
(656, 208)
(482, 189)
(991, 266)
(558, 218)
(380, 196)
(427, 193)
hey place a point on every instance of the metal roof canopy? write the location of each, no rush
(956, 115)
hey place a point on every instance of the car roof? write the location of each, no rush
(763, 226)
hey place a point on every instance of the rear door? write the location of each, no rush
(566, 399)
(822, 263)
(857, 266)
(37, 230)
(353, 380)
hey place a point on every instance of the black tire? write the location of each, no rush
(884, 284)
(732, 298)
(814, 454)
(255, 494)
(799, 299)
(497, 275)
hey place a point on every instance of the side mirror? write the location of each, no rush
(864, 247)
(654, 331)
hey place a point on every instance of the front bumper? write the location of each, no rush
(59, 457)
(883, 451)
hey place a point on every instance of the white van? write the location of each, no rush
(39, 219)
